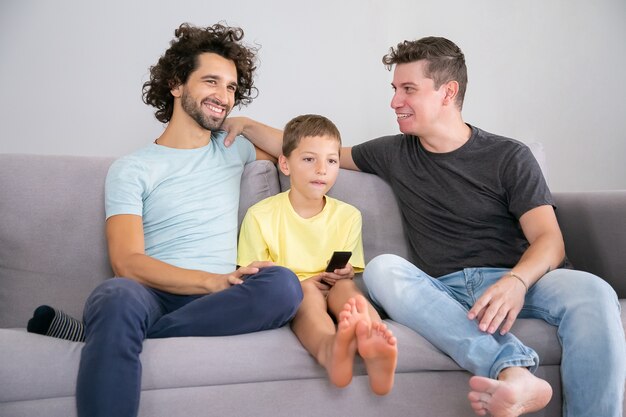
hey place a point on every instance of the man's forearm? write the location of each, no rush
(542, 256)
(163, 276)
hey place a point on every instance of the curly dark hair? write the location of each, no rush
(180, 60)
(446, 61)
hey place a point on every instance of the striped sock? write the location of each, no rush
(56, 323)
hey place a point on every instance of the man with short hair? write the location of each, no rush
(485, 247)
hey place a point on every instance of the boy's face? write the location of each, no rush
(313, 166)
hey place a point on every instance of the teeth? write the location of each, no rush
(215, 109)
(403, 116)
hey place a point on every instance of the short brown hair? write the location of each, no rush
(307, 125)
(181, 59)
(446, 61)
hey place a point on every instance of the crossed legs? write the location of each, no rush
(437, 309)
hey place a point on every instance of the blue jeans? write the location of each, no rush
(583, 307)
(121, 313)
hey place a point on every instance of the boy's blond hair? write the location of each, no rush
(307, 125)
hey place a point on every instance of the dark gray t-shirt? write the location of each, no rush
(460, 209)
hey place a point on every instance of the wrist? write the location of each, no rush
(519, 278)
(245, 126)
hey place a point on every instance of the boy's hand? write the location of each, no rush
(320, 284)
(346, 272)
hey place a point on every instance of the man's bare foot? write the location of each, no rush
(515, 392)
(378, 348)
(343, 349)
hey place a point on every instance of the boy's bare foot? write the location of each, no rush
(343, 349)
(355, 310)
(515, 392)
(378, 348)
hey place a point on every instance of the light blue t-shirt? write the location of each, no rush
(187, 198)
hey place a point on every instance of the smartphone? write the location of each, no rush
(338, 260)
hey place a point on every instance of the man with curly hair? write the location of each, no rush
(171, 226)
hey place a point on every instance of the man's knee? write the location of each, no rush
(378, 271)
(580, 289)
(113, 298)
(284, 288)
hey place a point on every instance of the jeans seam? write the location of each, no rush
(542, 314)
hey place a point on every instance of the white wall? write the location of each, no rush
(552, 71)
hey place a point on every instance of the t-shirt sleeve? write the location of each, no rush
(124, 188)
(246, 149)
(374, 156)
(526, 187)
(252, 246)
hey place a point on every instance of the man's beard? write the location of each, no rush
(195, 112)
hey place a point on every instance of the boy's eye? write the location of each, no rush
(232, 88)
(333, 161)
(307, 159)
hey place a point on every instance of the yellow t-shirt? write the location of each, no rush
(273, 231)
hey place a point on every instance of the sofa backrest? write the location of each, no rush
(52, 242)
(382, 221)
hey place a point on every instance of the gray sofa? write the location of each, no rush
(53, 251)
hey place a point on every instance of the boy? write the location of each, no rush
(299, 229)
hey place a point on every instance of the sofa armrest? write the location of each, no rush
(594, 229)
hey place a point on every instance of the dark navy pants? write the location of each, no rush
(121, 313)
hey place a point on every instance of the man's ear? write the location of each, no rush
(177, 91)
(176, 88)
(283, 164)
(451, 89)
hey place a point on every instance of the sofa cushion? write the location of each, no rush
(44, 367)
(52, 245)
(259, 181)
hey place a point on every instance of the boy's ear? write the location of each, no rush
(283, 165)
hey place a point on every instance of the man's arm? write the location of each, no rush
(266, 138)
(503, 301)
(125, 239)
(269, 140)
(346, 161)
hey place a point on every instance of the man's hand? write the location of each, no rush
(265, 138)
(221, 282)
(499, 305)
(331, 278)
(234, 126)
